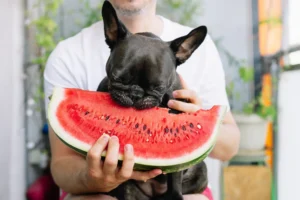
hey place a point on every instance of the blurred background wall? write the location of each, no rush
(12, 159)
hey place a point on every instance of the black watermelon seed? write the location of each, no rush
(137, 125)
(144, 127)
(191, 125)
(87, 112)
(166, 130)
(148, 131)
(171, 131)
(118, 121)
(107, 118)
(177, 130)
(183, 128)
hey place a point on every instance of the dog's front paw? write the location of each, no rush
(136, 92)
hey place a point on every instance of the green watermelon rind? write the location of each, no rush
(165, 169)
(141, 164)
(173, 168)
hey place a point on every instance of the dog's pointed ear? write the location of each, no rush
(184, 47)
(114, 29)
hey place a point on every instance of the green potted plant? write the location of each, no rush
(255, 116)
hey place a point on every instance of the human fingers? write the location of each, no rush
(183, 106)
(111, 159)
(94, 154)
(191, 95)
(144, 176)
(128, 163)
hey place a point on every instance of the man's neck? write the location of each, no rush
(147, 21)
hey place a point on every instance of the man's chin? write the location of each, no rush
(129, 11)
(131, 8)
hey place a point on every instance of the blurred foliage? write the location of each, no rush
(44, 28)
(180, 11)
(256, 106)
(90, 14)
(245, 76)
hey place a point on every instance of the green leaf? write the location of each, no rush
(238, 96)
(249, 108)
(246, 73)
(230, 89)
(53, 5)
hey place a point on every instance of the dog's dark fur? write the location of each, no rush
(141, 72)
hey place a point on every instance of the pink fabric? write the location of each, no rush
(207, 192)
(63, 195)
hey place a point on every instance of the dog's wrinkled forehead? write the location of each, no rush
(144, 50)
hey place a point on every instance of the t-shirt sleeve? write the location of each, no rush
(58, 73)
(213, 84)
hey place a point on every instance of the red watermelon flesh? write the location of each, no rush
(159, 138)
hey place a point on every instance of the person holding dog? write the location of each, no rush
(79, 62)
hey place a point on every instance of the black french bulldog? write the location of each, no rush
(141, 73)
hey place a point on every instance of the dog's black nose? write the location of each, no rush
(136, 92)
(146, 103)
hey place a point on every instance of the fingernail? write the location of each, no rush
(175, 93)
(115, 138)
(170, 103)
(105, 137)
(128, 148)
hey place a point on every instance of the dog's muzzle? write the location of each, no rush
(133, 96)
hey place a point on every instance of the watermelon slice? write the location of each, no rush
(171, 142)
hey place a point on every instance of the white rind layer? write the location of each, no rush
(59, 95)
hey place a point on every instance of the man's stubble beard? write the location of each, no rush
(129, 12)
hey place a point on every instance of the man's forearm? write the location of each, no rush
(68, 173)
(227, 143)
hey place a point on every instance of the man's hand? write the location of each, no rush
(78, 175)
(185, 93)
(105, 175)
(228, 140)
(194, 101)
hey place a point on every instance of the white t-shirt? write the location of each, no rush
(79, 62)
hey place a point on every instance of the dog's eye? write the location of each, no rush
(124, 78)
(116, 79)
